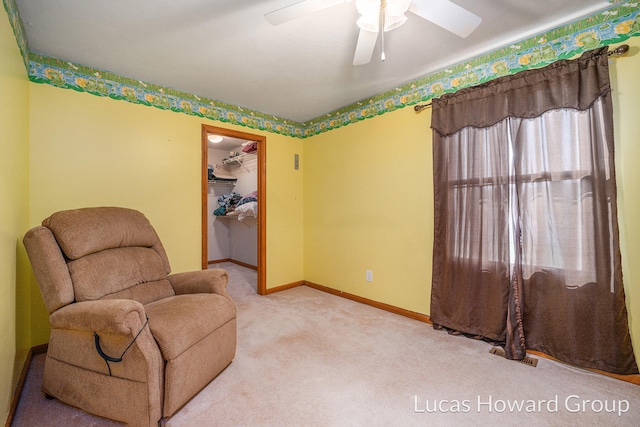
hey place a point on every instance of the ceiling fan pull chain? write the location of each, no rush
(383, 5)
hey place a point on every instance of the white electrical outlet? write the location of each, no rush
(369, 275)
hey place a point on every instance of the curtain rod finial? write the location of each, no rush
(621, 50)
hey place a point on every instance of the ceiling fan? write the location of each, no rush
(385, 14)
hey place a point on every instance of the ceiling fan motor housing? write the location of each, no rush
(391, 12)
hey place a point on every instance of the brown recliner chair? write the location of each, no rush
(129, 341)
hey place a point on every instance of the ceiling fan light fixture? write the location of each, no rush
(392, 7)
(393, 14)
(392, 22)
(372, 23)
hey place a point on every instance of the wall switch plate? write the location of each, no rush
(296, 162)
(369, 274)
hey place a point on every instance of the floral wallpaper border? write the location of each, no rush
(614, 25)
(18, 29)
(43, 69)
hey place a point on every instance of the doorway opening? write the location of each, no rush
(260, 219)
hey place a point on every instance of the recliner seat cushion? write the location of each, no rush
(177, 323)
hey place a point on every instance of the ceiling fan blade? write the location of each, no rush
(301, 8)
(447, 15)
(364, 48)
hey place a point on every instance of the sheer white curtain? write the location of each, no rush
(556, 192)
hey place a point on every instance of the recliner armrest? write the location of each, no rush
(201, 281)
(119, 316)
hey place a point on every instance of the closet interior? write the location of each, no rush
(232, 203)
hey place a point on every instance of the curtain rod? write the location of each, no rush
(621, 50)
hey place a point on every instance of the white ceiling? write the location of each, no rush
(228, 143)
(225, 49)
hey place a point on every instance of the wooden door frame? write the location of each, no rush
(262, 197)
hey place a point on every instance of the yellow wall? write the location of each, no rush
(14, 163)
(369, 204)
(284, 212)
(626, 105)
(92, 151)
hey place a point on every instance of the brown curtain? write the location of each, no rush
(526, 248)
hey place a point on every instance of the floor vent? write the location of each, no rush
(499, 351)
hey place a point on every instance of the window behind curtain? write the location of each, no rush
(526, 241)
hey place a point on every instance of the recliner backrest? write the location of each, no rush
(111, 253)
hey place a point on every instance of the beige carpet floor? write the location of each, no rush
(307, 358)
